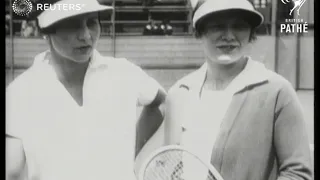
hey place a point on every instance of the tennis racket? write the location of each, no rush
(176, 163)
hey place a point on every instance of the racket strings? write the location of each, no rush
(210, 176)
(177, 172)
(176, 165)
(165, 166)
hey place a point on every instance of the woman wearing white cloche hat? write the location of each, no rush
(72, 114)
(233, 112)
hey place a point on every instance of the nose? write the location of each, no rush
(228, 34)
(84, 32)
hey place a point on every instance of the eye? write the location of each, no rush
(241, 26)
(92, 22)
(69, 26)
(216, 27)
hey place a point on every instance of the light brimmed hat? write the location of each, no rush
(57, 12)
(242, 7)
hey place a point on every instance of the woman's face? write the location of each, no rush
(226, 39)
(75, 38)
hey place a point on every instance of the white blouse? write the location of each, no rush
(201, 131)
(205, 116)
(65, 141)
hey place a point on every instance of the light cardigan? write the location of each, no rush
(263, 135)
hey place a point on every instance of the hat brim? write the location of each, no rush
(50, 17)
(255, 19)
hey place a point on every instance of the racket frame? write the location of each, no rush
(174, 147)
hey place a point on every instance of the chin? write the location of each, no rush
(226, 59)
(80, 59)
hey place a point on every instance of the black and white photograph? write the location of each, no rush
(159, 89)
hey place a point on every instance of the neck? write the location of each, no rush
(219, 76)
(69, 72)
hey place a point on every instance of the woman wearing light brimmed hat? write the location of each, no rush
(72, 114)
(233, 112)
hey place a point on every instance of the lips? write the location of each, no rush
(83, 49)
(227, 48)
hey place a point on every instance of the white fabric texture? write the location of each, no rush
(200, 133)
(63, 140)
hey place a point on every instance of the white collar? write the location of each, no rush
(96, 60)
(41, 63)
(254, 73)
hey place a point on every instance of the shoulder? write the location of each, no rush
(126, 64)
(120, 65)
(21, 97)
(258, 75)
(123, 71)
(25, 82)
(279, 88)
(266, 79)
(276, 79)
(187, 79)
(33, 76)
(21, 93)
(116, 66)
(281, 84)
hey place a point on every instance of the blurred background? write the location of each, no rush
(158, 36)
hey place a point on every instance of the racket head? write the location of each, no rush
(169, 163)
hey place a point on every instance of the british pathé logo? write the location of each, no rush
(297, 5)
(296, 25)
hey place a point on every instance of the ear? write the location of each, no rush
(252, 36)
(47, 38)
(197, 34)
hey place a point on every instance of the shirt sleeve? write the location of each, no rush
(147, 87)
(15, 113)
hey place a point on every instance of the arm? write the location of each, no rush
(16, 125)
(15, 159)
(148, 124)
(150, 92)
(290, 138)
(155, 141)
(159, 99)
(151, 96)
